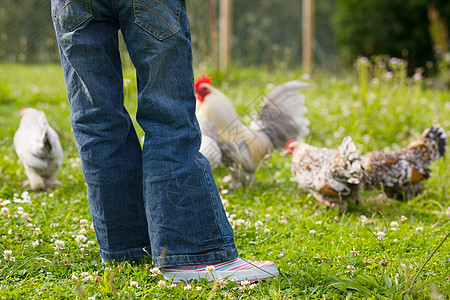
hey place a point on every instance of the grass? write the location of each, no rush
(321, 253)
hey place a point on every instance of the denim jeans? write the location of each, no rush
(161, 196)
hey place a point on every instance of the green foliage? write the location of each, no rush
(392, 27)
(321, 253)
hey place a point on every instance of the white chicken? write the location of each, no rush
(281, 118)
(38, 147)
(332, 175)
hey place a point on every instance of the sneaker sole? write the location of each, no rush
(239, 275)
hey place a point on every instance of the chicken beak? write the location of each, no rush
(21, 111)
(285, 153)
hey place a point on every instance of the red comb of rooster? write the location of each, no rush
(203, 79)
(289, 143)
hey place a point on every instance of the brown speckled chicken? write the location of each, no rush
(401, 172)
(332, 175)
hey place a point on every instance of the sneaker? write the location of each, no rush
(238, 270)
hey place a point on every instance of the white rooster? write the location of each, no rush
(38, 148)
(281, 118)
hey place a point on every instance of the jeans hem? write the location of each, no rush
(189, 259)
(130, 254)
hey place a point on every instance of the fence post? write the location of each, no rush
(307, 35)
(225, 33)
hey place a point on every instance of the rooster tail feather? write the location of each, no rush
(282, 114)
(349, 161)
(437, 133)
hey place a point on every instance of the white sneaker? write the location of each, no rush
(238, 270)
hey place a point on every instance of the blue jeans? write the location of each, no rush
(161, 196)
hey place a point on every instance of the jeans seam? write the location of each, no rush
(211, 195)
(128, 251)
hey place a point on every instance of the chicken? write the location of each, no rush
(401, 172)
(281, 117)
(209, 146)
(38, 147)
(333, 176)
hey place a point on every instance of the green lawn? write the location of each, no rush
(321, 253)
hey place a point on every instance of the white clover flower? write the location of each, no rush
(4, 211)
(312, 231)
(240, 222)
(35, 243)
(80, 238)
(245, 283)
(419, 229)
(91, 298)
(388, 75)
(84, 274)
(318, 222)
(75, 220)
(59, 245)
(267, 230)
(5, 202)
(199, 288)
(258, 224)
(38, 231)
(56, 253)
(252, 286)
(90, 243)
(134, 284)
(350, 270)
(222, 282)
(74, 277)
(26, 217)
(403, 219)
(225, 203)
(162, 284)
(83, 231)
(210, 269)
(155, 272)
(380, 235)
(173, 285)
(280, 255)
(283, 221)
(187, 287)
(87, 278)
(7, 254)
(354, 252)
(84, 222)
(394, 224)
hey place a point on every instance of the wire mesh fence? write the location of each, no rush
(26, 32)
(27, 35)
(265, 32)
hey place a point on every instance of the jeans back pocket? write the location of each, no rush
(159, 18)
(71, 13)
